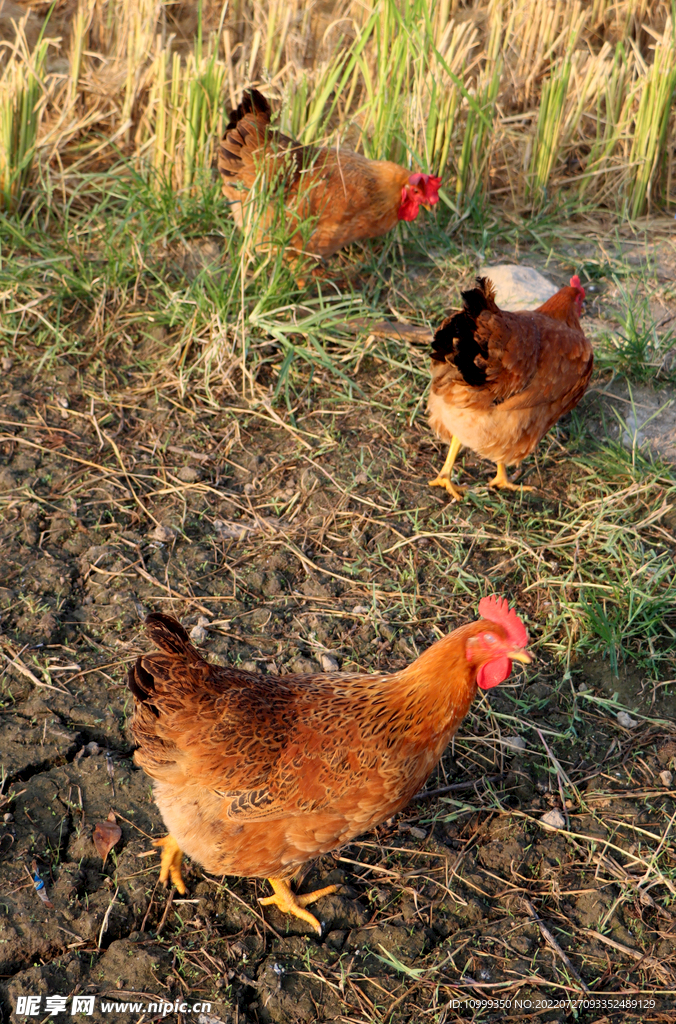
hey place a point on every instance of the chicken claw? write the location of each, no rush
(444, 477)
(170, 865)
(502, 481)
(455, 491)
(289, 903)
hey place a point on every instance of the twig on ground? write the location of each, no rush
(551, 941)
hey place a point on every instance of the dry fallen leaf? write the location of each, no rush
(106, 834)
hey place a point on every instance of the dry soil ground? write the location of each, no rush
(296, 535)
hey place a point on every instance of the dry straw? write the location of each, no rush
(521, 99)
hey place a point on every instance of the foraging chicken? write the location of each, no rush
(342, 196)
(500, 380)
(255, 775)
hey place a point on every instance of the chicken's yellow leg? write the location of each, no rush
(170, 865)
(289, 903)
(502, 481)
(444, 478)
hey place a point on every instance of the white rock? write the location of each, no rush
(553, 819)
(328, 663)
(513, 742)
(667, 778)
(626, 721)
(198, 633)
(360, 609)
(7, 364)
(518, 287)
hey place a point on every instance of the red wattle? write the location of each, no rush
(493, 672)
(409, 206)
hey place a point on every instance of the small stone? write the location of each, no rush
(417, 833)
(308, 480)
(360, 609)
(164, 534)
(553, 819)
(62, 401)
(7, 817)
(328, 663)
(46, 626)
(667, 778)
(249, 666)
(626, 721)
(189, 474)
(301, 666)
(361, 478)
(583, 688)
(516, 743)
(7, 364)
(198, 633)
(92, 748)
(7, 479)
(232, 531)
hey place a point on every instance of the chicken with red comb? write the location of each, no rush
(255, 775)
(496, 609)
(337, 195)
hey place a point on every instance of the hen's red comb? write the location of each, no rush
(575, 282)
(496, 609)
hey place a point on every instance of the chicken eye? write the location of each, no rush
(490, 638)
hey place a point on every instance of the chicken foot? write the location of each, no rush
(289, 903)
(170, 864)
(444, 478)
(502, 481)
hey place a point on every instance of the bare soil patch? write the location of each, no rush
(294, 534)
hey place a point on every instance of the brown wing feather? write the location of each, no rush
(520, 359)
(254, 774)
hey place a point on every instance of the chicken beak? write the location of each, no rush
(426, 206)
(521, 656)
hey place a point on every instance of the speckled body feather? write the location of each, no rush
(254, 775)
(500, 380)
(343, 194)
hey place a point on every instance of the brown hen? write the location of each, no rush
(255, 775)
(337, 196)
(500, 380)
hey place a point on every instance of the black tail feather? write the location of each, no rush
(252, 102)
(455, 341)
